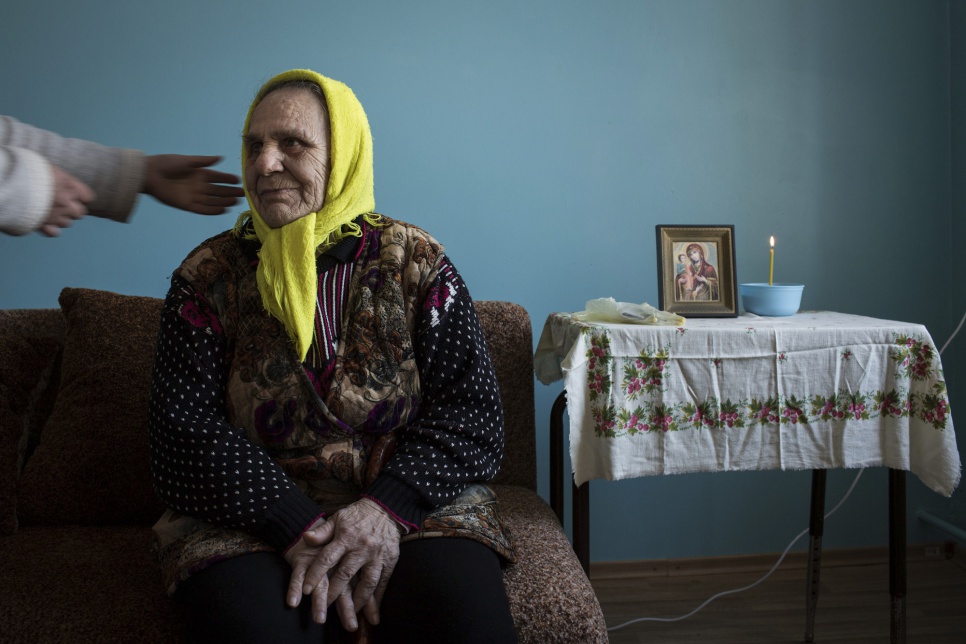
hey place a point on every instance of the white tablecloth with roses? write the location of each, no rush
(816, 390)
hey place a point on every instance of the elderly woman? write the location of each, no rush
(323, 409)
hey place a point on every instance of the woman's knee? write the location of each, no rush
(449, 588)
(242, 599)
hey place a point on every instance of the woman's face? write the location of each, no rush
(288, 156)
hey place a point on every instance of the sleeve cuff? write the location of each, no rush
(405, 504)
(288, 518)
(121, 196)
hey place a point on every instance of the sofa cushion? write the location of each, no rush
(91, 464)
(84, 584)
(29, 340)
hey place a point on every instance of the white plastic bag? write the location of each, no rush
(607, 309)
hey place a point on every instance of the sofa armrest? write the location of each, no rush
(551, 598)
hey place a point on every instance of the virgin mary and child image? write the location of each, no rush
(695, 279)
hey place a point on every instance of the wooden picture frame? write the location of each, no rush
(704, 284)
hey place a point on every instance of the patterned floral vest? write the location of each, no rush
(322, 444)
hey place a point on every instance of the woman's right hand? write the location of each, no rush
(188, 183)
(301, 556)
(347, 560)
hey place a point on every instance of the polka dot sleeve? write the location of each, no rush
(201, 465)
(457, 436)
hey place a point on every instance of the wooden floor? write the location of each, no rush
(853, 605)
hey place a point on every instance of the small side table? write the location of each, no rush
(814, 391)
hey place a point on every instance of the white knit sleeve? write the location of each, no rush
(26, 190)
(114, 174)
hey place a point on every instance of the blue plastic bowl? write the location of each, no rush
(776, 300)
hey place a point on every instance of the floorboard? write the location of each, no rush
(853, 605)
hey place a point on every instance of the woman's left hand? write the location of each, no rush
(359, 544)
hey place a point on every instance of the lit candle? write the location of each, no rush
(771, 260)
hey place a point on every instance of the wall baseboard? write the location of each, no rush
(730, 564)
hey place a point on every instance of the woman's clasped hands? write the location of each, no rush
(346, 559)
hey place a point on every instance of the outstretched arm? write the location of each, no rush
(115, 175)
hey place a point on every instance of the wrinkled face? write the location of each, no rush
(288, 156)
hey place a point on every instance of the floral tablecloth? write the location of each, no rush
(815, 390)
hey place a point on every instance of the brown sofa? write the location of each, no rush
(76, 504)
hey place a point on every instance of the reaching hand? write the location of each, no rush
(71, 197)
(347, 560)
(185, 182)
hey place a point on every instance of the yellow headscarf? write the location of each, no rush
(287, 277)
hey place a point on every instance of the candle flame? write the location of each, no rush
(771, 240)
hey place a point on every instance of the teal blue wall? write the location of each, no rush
(542, 141)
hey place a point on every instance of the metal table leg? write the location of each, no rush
(816, 527)
(557, 456)
(897, 555)
(581, 505)
(581, 495)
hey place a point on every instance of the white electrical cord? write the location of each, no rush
(748, 587)
(784, 553)
(953, 335)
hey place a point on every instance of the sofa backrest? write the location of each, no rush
(506, 327)
(93, 358)
(29, 341)
(90, 466)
